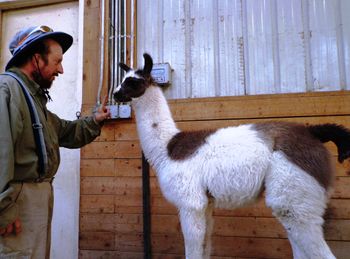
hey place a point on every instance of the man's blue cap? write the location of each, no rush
(28, 37)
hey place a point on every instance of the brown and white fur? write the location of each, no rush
(230, 167)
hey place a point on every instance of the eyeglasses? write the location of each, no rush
(42, 28)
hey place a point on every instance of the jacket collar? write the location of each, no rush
(35, 89)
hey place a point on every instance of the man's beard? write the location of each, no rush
(40, 80)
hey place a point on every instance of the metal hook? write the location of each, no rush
(78, 114)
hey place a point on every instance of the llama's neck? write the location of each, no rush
(155, 124)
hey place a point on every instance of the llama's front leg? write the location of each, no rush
(193, 225)
(209, 228)
(298, 253)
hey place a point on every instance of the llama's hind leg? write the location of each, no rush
(193, 225)
(299, 202)
(307, 241)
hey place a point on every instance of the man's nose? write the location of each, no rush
(60, 69)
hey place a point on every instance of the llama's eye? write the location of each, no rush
(134, 82)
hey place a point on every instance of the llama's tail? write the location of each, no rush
(335, 133)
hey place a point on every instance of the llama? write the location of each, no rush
(230, 167)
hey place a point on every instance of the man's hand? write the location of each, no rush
(102, 112)
(15, 228)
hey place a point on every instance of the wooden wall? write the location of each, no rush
(111, 186)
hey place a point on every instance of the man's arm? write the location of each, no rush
(77, 133)
(8, 208)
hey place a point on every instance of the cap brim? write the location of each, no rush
(64, 39)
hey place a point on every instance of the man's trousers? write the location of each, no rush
(35, 203)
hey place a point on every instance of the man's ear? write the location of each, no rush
(36, 57)
(36, 60)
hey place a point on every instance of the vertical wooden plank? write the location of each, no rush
(91, 51)
(105, 41)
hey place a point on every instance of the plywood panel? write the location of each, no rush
(97, 167)
(129, 242)
(128, 185)
(108, 132)
(230, 247)
(258, 106)
(337, 209)
(128, 167)
(98, 185)
(110, 167)
(97, 222)
(93, 254)
(97, 240)
(126, 131)
(202, 124)
(338, 230)
(112, 204)
(121, 149)
(262, 106)
(90, 203)
(251, 247)
(128, 193)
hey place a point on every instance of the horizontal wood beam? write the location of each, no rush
(262, 106)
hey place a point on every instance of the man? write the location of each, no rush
(26, 196)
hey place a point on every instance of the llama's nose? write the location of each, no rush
(119, 96)
(117, 89)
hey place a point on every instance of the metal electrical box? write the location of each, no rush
(162, 73)
(120, 111)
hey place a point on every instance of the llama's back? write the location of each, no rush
(229, 164)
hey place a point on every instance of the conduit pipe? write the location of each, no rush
(102, 52)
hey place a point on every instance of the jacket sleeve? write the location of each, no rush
(8, 113)
(77, 133)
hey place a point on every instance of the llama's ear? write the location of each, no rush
(148, 64)
(124, 67)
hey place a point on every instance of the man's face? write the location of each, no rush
(48, 68)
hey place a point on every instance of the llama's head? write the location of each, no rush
(135, 82)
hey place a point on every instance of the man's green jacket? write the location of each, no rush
(18, 156)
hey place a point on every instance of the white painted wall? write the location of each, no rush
(66, 93)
